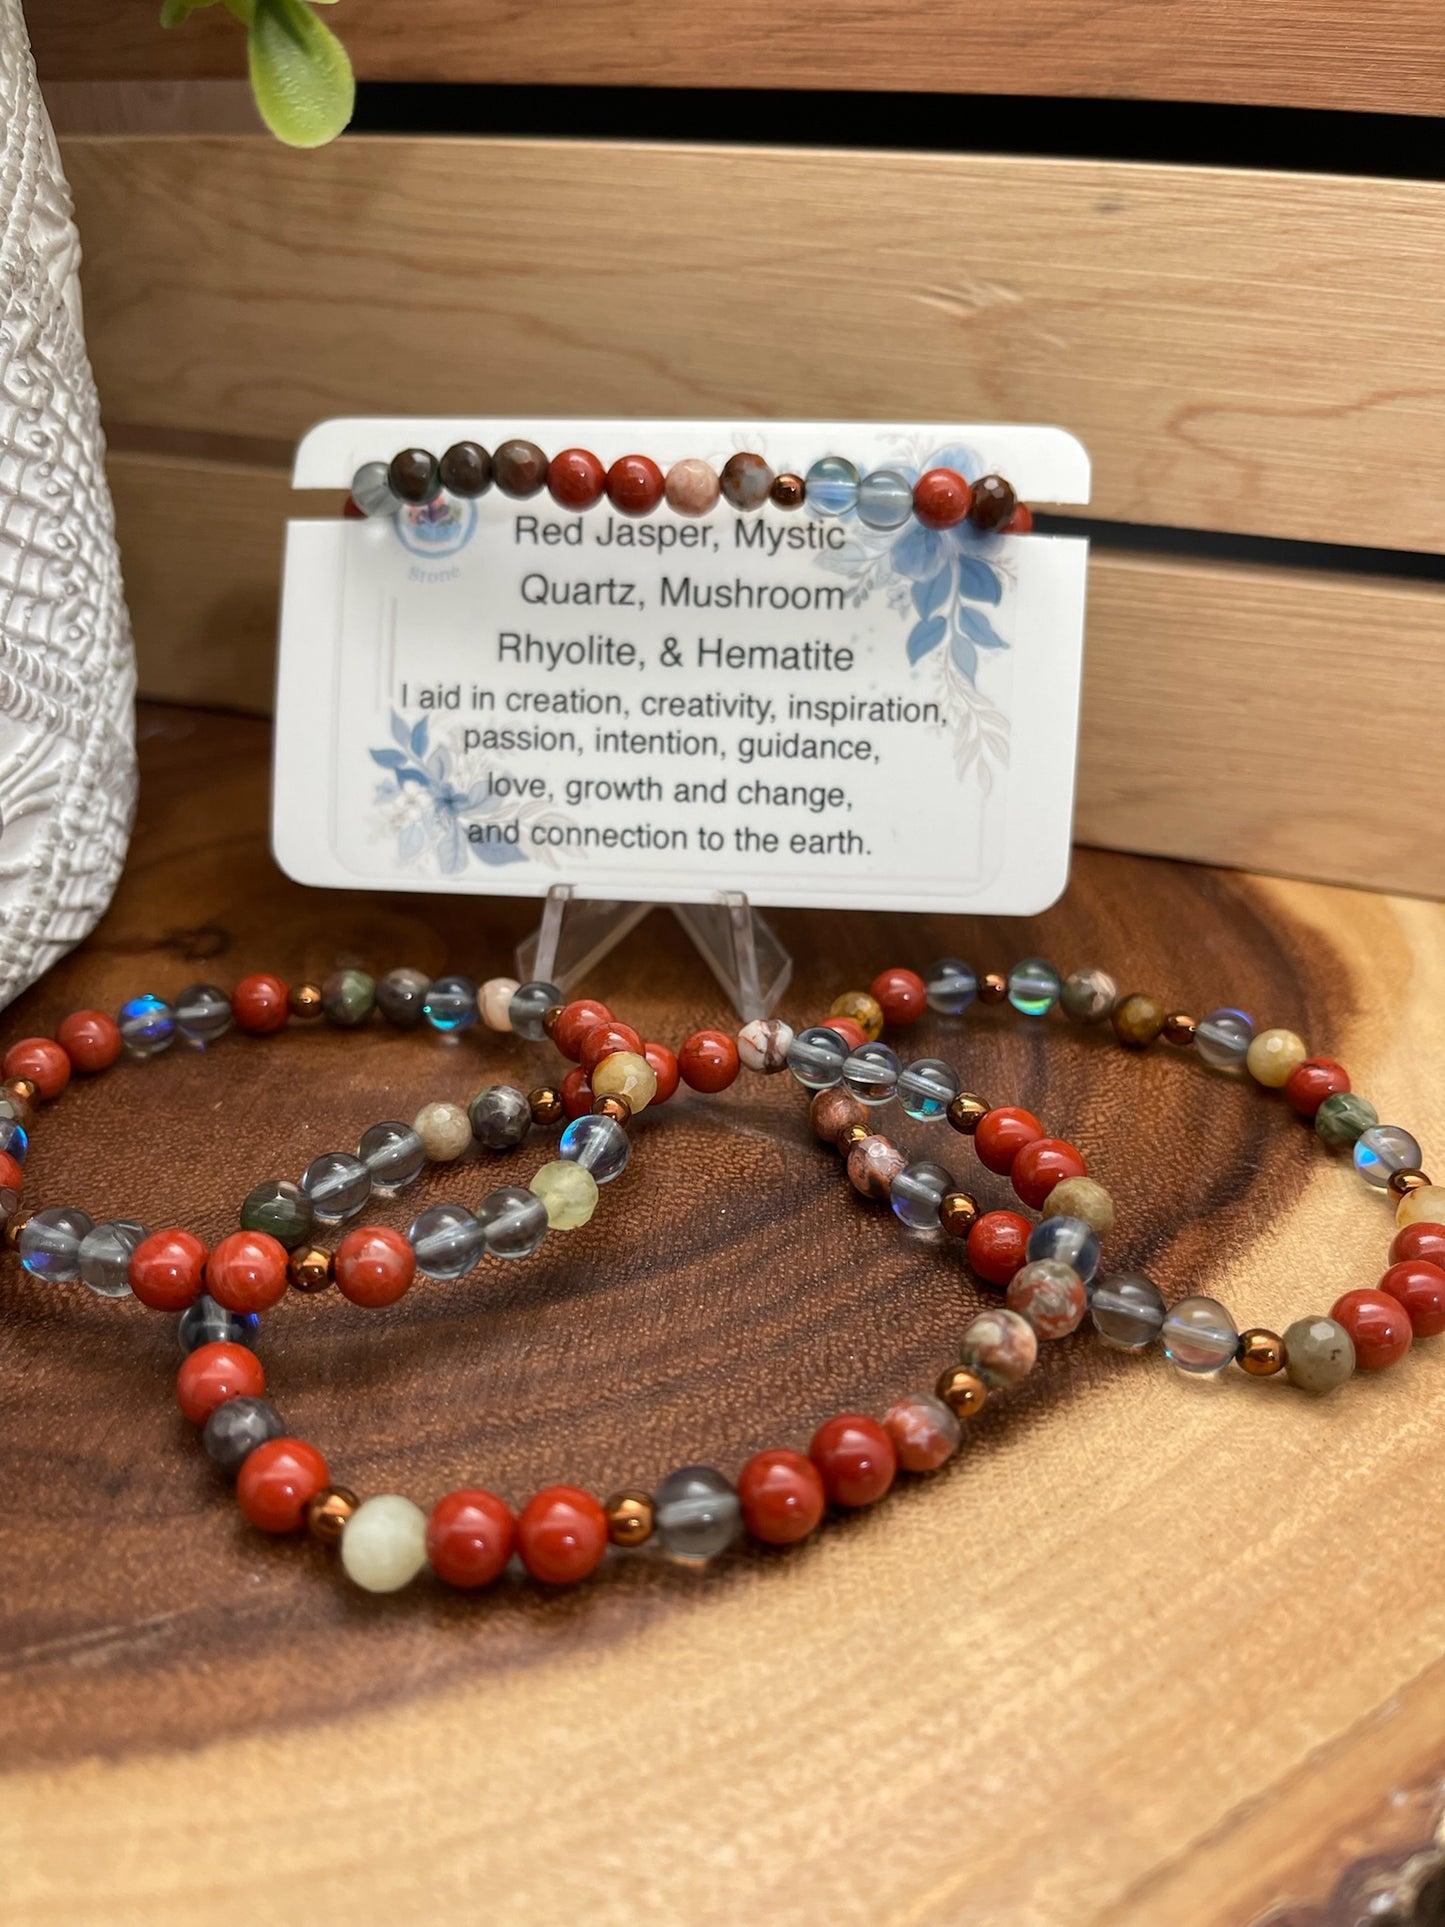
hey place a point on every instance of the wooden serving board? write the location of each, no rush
(1148, 1653)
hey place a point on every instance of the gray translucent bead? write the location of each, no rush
(952, 986)
(816, 1058)
(147, 1025)
(697, 1514)
(203, 1013)
(207, 1322)
(1088, 995)
(451, 1004)
(400, 996)
(927, 1087)
(348, 997)
(598, 1144)
(529, 1005)
(1034, 986)
(871, 1073)
(14, 1139)
(371, 489)
(393, 1153)
(1384, 1149)
(50, 1242)
(1200, 1337)
(513, 1221)
(1127, 1310)
(105, 1256)
(1223, 1038)
(885, 499)
(1070, 1241)
(917, 1192)
(501, 1117)
(832, 485)
(281, 1209)
(447, 1240)
(235, 1429)
(337, 1184)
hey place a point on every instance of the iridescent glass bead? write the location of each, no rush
(207, 1322)
(105, 1256)
(1088, 995)
(696, 1513)
(371, 489)
(1034, 986)
(816, 1058)
(147, 1025)
(917, 1192)
(50, 1242)
(447, 1240)
(1070, 1241)
(281, 1209)
(1223, 1038)
(832, 485)
(1383, 1149)
(337, 1184)
(1342, 1118)
(1128, 1310)
(14, 1139)
(400, 996)
(348, 997)
(513, 1221)
(393, 1153)
(530, 1004)
(871, 1073)
(1200, 1337)
(450, 1004)
(952, 986)
(235, 1429)
(927, 1087)
(598, 1144)
(885, 499)
(202, 1013)
(500, 1117)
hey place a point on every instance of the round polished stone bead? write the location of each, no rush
(626, 1074)
(1341, 1119)
(941, 498)
(1310, 1083)
(885, 499)
(561, 1534)
(1419, 1285)
(466, 470)
(1319, 1354)
(147, 1025)
(598, 1144)
(1000, 1346)
(863, 1008)
(568, 1192)
(348, 997)
(469, 1537)
(1138, 1019)
(14, 1141)
(782, 1496)
(247, 1271)
(1223, 1038)
(697, 1513)
(1274, 1056)
(872, 1165)
(998, 1245)
(450, 1004)
(50, 1242)
(445, 1131)
(530, 1004)
(925, 1432)
(1049, 1295)
(413, 475)
(576, 479)
(994, 502)
(1425, 1205)
(215, 1373)
(1034, 986)
(746, 482)
(105, 1254)
(871, 1073)
(400, 996)
(763, 1044)
(1200, 1337)
(393, 1153)
(575, 1022)
(917, 1192)
(1088, 995)
(338, 1185)
(447, 1240)
(855, 1457)
(493, 1001)
(635, 485)
(927, 1087)
(277, 1483)
(235, 1429)
(1128, 1310)
(1383, 1149)
(900, 993)
(816, 1057)
(1001, 1133)
(1082, 1198)
(1070, 1241)
(261, 1004)
(374, 1265)
(202, 1013)
(513, 1221)
(788, 491)
(383, 1543)
(519, 469)
(952, 986)
(281, 1209)
(1041, 1165)
(1379, 1327)
(692, 487)
(832, 485)
(371, 490)
(208, 1322)
(500, 1117)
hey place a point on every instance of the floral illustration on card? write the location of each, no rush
(439, 807)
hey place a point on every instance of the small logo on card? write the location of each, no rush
(437, 529)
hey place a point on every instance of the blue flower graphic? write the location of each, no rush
(436, 810)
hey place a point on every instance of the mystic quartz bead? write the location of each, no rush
(924, 1431)
(447, 1240)
(885, 499)
(1088, 995)
(746, 482)
(832, 485)
(568, 1192)
(235, 1429)
(692, 487)
(105, 1254)
(1050, 1296)
(393, 1153)
(598, 1144)
(494, 999)
(348, 997)
(1222, 1038)
(50, 1243)
(1128, 1310)
(147, 1025)
(513, 1221)
(952, 986)
(1200, 1337)
(1341, 1119)
(208, 1322)
(14, 1140)
(500, 1117)
(371, 490)
(917, 1192)
(1068, 1240)
(1034, 986)
(530, 1004)
(816, 1057)
(1383, 1149)
(697, 1514)
(1319, 1354)
(281, 1209)
(871, 1073)
(383, 1543)
(338, 1185)
(445, 1131)
(400, 995)
(450, 1004)
(202, 1013)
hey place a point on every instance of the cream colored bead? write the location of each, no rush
(1273, 1055)
(383, 1543)
(1082, 1198)
(1426, 1205)
(625, 1074)
(445, 1131)
(492, 1001)
(569, 1192)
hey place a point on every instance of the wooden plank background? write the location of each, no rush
(1387, 55)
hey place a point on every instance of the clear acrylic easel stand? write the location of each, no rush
(740, 949)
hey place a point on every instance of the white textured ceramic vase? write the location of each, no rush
(67, 674)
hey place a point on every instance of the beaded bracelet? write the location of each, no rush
(576, 479)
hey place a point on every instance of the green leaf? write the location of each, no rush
(173, 12)
(300, 74)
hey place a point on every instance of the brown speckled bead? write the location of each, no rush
(1261, 1352)
(992, 987)
(994, 502)
(958, 1213)
(1001, 1347)
(873, 1163)
(962, 1391)
(631, 1518)
(924, 1430)
(545, 1104)
(1179, 1029)
(746, 482)
(519, 469)
(1137, 1019)
(832, 1111)
(787, 491)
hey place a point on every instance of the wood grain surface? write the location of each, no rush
(1240, 351)
(1149, 1653)
(1301, 53)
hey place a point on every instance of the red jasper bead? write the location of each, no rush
(42, 1060)
(848, 1028)
(576, 1093)
(211, 1374)
(12, 1178)
(664, 1068)
(1425, 1241)
(708, 1060)
(1420, 1288)
(635, 484)
(1043, 1164)
(603, 1039)
(561, 1534)
(1310, 1083)
(277, 1480)
(998, 1245)
(1021, 522)
(576, 479)
(90, 1039)
(856, 1458)
(247, 1271)
(941, 498)
(469, 1537)
(1002, 1133)
(261, 1004)
(374, 1265)
(902, 993)
(168, 1270)
(573, 1025)
(1379, 1325)
(782, 1496)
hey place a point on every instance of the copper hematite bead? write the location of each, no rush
(992, 987)
(24, 1088)
(305, 1000)
(1179, 1029)
(309, 1268)
(850, 1135)
(631, 1517)
(965, 1111)
(550, 1016)
(788, 491)
(328, 1511)
(615, 1106)
(958, 1213)
(1401, 1183)
(545, 1104)
(962, 1391)
(14, 1228)
(1261, 1352)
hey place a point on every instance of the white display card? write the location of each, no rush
(498, 695)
